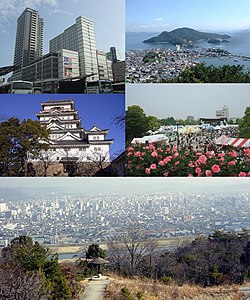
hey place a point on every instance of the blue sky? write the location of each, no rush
(108, 17)
(159, 15)
(92, 109)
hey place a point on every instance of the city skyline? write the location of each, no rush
(161, 15)
(182, 100)
(64, 15)
(92, 109)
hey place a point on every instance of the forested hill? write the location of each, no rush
(182, 35)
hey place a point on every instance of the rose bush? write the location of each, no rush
(159, 160)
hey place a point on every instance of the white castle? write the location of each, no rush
(68, 141)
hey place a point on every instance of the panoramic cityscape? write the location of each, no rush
(52, 215)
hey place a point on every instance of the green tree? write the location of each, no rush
(211, 74)
(95, 251)
(245, 124)
(22, 251)
(167, 121)
(153, 123)
(19, 141)
(32, 257)
(136, 122)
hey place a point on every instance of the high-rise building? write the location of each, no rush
(118, 69)
(102, 65)
(29, 40)
(223, 113)
(113, 55)
(79, 37)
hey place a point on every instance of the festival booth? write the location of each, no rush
(235, 142)
(156, 138)
(191, 129)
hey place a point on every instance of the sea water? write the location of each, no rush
(239, 44)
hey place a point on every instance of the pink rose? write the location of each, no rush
(153, 167)
(198, 170)
(161, 163)
(233, 153)
(231, 163)
(130, 149)
(247, 151)
(176, 163)
(154, 154)
(165, 174)
(215, 168)
(174, 149)
(191, 165)
(147, 171)
(151, 146)
(242, 174)
(130, 153)
(137, 153)
(168, 151)
(202, 159)
(208, 153)
(176, 154)
(168, 159)
(209, 173)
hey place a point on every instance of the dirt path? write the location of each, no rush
(246, 291)
(95, 290)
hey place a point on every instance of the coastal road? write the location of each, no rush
(95, 290)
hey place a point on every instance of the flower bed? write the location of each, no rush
(158, 160)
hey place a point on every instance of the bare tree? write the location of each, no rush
(45, 157)
(96, 162)
(131, 248)
(19, 284)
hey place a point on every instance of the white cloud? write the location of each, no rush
(60, 11)
(158, 19)
(12, 9)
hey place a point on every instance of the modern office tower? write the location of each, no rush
(118, 69)
(110, 71)
(79, 37)
(102, 65)
(29, 40)
(113, 55)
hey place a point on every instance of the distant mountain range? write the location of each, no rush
(185, 35)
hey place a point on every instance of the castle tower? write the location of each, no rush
(69, 142)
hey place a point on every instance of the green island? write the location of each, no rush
(183, 36)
